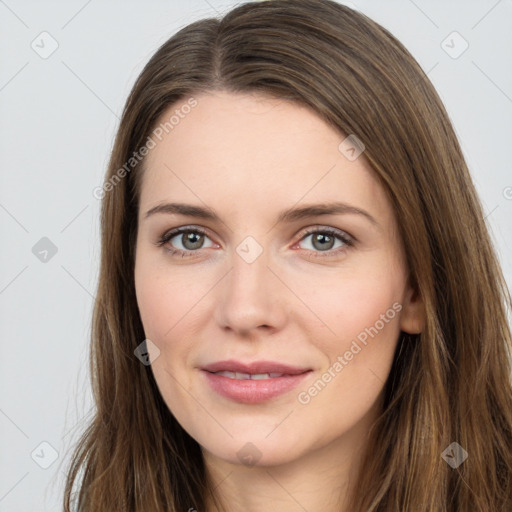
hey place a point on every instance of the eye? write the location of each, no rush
(323, 241)
(191, 239)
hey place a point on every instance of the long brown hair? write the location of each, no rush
(451, 383)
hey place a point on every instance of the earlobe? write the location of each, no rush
(412, 319)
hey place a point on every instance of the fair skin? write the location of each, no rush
(302, 301)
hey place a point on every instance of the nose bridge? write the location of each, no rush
(249, 295)
(249, 263)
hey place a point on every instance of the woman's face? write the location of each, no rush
(249, 289)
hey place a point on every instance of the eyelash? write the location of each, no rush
(340, 235)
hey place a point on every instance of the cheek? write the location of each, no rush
(361, 308)
(171, 311)
(153, 302)
(163, 298)
(354, 301)
(363, 311)
(163, 303)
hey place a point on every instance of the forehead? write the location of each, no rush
(228, 124)
(250, 149)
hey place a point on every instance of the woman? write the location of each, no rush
(299, 304)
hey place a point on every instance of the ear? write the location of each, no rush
(412, 317)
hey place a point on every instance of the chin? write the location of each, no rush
(249, 454)
(255, 448)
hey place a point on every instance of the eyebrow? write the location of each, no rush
(288, 215)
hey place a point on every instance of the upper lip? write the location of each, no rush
(254, 367)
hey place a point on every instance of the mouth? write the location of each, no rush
(254, 382)
(248, 376)
(270, 368)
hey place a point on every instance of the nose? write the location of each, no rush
(251, 297)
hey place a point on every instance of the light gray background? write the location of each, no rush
(58, 119)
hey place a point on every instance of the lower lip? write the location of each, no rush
(250, 391)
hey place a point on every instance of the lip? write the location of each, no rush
(232, 365)
(253, 391)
